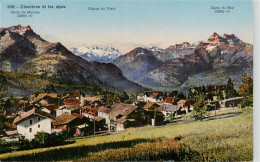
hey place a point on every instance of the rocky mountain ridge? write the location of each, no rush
(175, 66)
(24, 51)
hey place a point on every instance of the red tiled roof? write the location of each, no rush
(71, 101)
(87, 107)
(169, 100)
(50, 107)
(104, 110)
(153, 94)
(78, 115)
(187, 102)
(40, 95)
(90, 110)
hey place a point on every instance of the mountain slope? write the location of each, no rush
(15, 50)
(184, 65)
(137, 63)
(54, 60)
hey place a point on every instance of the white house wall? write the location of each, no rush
(24, 126)
(120, 127)
(63, 111)
(104, 115)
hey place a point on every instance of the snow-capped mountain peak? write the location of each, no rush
(154, 48)
(98, 54)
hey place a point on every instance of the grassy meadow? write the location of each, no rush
(220, 139)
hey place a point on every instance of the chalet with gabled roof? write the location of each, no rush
(124, 115)
(63, 122)
(186, 105)
(33, 121)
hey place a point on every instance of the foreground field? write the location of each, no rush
(221, 139)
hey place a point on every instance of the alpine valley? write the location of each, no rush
(25, 52)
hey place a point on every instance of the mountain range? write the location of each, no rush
(97, 54)
(24, 51)
(177, 67)
(183, 65)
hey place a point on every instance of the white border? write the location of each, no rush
(256, 70)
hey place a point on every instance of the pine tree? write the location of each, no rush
(246, 90)
(230, 91)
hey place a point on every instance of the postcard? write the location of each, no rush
(126, 80)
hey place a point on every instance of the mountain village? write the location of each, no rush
(80, 115)
(65, 104)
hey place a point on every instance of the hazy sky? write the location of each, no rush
(134, 22)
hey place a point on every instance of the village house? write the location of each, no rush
(153, 111)
(231, 102)
(169, 109)
(9, 131)
(186, 105)
(92, 99)
(63, 110)
(104, 112)
(153, 97)
(75, 95)
(124, 116)
(99, 122)
(216, 89)
(66, 122)
(33, 121)
(151, 106)
(90, 112)
(73, 104)
(71, 101)
(50, 108)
